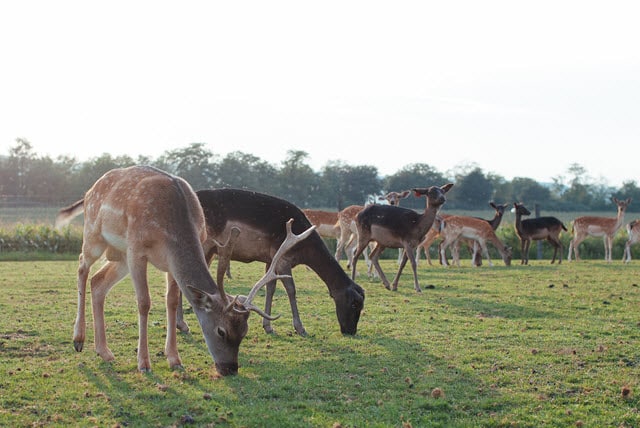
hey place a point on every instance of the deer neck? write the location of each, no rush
(427, 218)
(318, 258)
(495, 221)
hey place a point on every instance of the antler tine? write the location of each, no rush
(270, 275)
(224, 257)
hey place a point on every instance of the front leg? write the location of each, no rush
(403, 262)
(290, 287)
(268, 302)
(173, 299)
(139, 278)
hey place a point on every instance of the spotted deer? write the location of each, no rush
(140, 215)
(606, 227)
(395, 227)
(476, 229)
(633, 231)
(326, 222)
(434, 233)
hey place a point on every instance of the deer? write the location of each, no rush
(140, 215)
(396, 227)
(536, 229)
(435, 233)
(326, 222)
(348, 236)
(472, 228)
(261, 218)
(633, 231)
(393, 198)
(598, 226)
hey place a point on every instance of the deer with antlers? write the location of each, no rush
(606, 227)
(261, 218)
(536, 229)
(395, 227)
(140, 215)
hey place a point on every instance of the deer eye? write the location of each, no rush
(221, 332)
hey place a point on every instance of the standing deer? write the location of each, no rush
(536, 229)
(434, 232)
(473, 228)
(395, 227)
(141, 215)
(393, 198)
(261, 218)
(633, 230)
(598, 226)
(326, 222)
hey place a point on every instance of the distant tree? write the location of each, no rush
(246, 171)
(19, 165)
(412, 176)
(343, 185)
(631, 190)
(194, 163)
(530, 192)
(298, 181)
(471, 191)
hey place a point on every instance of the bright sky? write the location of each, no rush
(522, 89)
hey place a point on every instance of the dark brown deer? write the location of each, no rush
(141, 215)
(536, 229)
(261, 218)
(395, 227)
(606, 227)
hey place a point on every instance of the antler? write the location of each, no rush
(224, 257)
(270, 275)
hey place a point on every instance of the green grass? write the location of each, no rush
(539, 345)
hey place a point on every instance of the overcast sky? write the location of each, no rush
(522, 89)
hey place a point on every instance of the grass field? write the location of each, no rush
(540, 345)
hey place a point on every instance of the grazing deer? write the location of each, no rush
(395, 227)
(633, 230)
(141, 215)
(473, 228)
(261, 218)
(598, 226)
(536, 229)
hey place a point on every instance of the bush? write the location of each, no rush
(28, 238)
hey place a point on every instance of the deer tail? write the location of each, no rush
(65, 215)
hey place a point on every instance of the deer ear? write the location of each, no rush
(447, 187)
(493, 205)
(201, 299)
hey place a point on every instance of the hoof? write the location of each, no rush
(183, 327)
(78, 346)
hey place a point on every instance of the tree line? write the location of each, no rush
(28, 178)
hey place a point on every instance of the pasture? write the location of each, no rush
(525, 346)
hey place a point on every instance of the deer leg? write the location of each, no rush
(408, 253)
(526, 243)
(374, 257)
(359, 248)
(485, 251)
(290, 287)
(138, 268)
(79, 328)
(608, 243)
(270, 290)
(173, 299)
(101, 283)
(455, 253)
(403, 262)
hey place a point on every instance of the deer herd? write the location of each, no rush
(140, 215)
